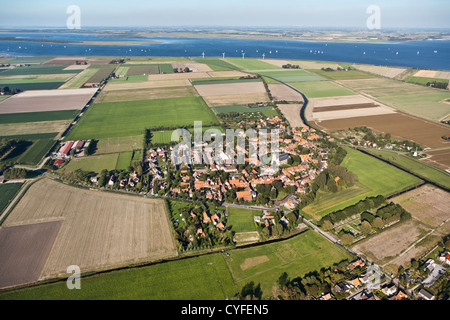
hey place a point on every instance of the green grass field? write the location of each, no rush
(297, 256)
(292, 75)
(34, 154)
(38, 116)
(424, 80)
(344, 75)
(7, 192)
(79, 80)
(37, 69)
(419, 168)
(241, 220)
(119, 144)
(251, 64)
(93, 163)
(322, 89)
(374, 178)
(217, 64)
(199, 278)
(11, 82)
(124, 160)
(165, 68)
(24, 60)
(34, 86)
(165, 136)
(120, 119)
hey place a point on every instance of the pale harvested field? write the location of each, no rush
(77, 67)
(389, 72)
(345, 104)
(281, 92)
(38, 76)
(246, 236)
(24, 250)
(351, 113)
(47, 100)
(292, 113)
(388, 245)
(146, 84)
(178, 76)
(12, 129)
(427, 204)
(235, 99)
(194, 67)
(206, 90)
(99, 229)
(224, 74)
(146, 94)
(433, 74)
(337, 101)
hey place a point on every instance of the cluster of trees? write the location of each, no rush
(386, 215)
(6, 145)
(250, 292)
(19, 173)
(290, 66)
(340, 215)
(91, 148)
(279, 229)
(314, 284)
(9, 91)
(186, 227)
(436, 84)
(336, 155)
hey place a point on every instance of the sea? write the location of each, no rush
(427, 54)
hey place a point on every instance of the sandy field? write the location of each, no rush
(351, 113)
(206, 90)
(433, 74)
(224, 74)
(345, 107)
(253, 262)
(380, 70)
(403, 126)
(146, 84)
(195, 67)
(235, 99)
(47, 100)
(12, 129)
(77, 67)
(427, 204)
(387, 245)
(24, 250)
(99, 229)
(280, 92)
(145, 94)
(292, 113)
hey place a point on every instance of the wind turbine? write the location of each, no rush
(223, 53)
(203, 55)
(243, 55)
(264, 55)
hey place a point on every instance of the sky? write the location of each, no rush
(249, 13)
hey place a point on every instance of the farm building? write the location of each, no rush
(64, 150)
